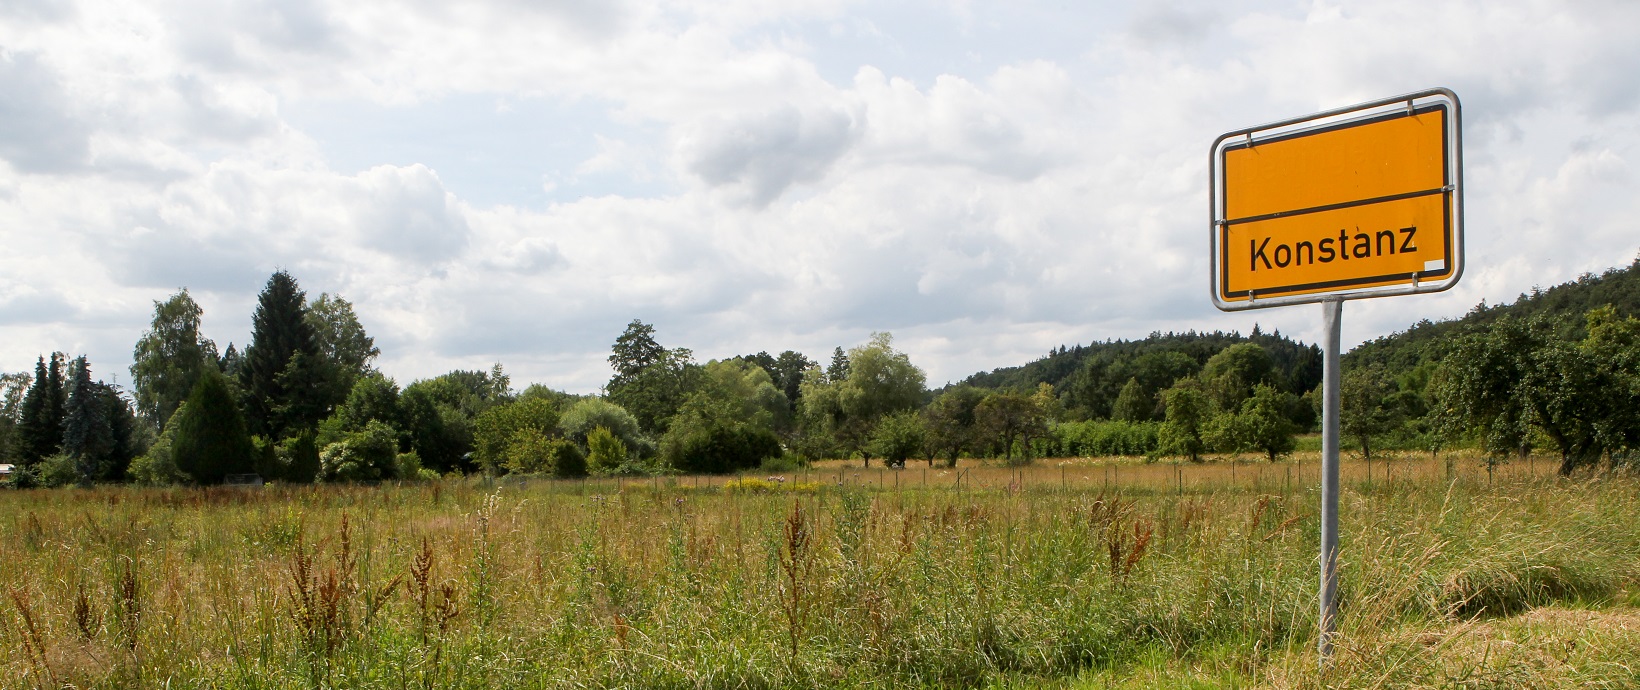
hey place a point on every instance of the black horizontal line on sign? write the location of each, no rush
(1345, 282)
(1334, 207)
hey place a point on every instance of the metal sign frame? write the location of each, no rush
(1370, 112)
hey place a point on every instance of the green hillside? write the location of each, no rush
(1423, 341)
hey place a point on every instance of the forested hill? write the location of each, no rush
(1089, 376)
(1618, 287)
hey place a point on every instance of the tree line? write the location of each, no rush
(303, 401)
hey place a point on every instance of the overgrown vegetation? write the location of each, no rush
(1085, 574)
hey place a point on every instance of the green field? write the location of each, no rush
(1071, 573)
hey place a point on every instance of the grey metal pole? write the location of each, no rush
(1331, 313)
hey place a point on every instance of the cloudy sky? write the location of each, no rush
(515, 181)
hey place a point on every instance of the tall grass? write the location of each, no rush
(1070, 572)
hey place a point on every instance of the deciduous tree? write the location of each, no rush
(1007, 416)
(342, 342)
(169, 358)
(952, 428)
(1188, 412)
(1369, 406)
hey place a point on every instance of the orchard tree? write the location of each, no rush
(1188, 412)
(169, 358)
(1263, 421)
(1007, 416)
(1514, 379)
(1613, 344)
(1369, 405)
(898, 436)
(950, 423)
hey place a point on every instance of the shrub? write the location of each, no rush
(368, 455)
(210, 440)
(567, 459)
(722, 449)
(585, 416)
(298, 458)
(787, 462)
(496, 432)
(1096, 438)
(23, 478)
(605, 452)
(58, 470)
(532, 452)
(527, 452)
(410, 468)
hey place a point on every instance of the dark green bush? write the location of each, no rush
(368, 455)
(566, 458)
(721, 450)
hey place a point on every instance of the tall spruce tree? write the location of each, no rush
(279, 373)
(56, 398)
(41, 429)
(838, 371)
(88, 436)
(168, 359)
(210, 441)
(32, 438)
(122, 427)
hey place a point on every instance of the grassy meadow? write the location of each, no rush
(1067, 573)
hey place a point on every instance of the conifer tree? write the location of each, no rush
(40, 431)
(87, 434)
(231, 362)
(280, 387)
(56, 398)
(838, 371)
(122, 427)
(210, 441)
(29, 433)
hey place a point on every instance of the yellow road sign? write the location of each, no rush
(1357, 202)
